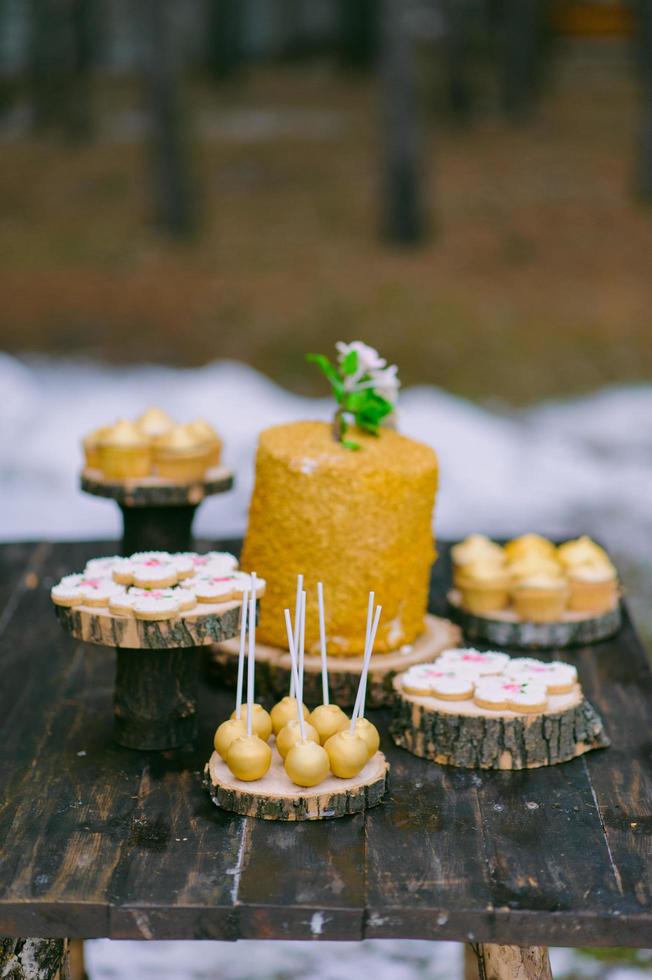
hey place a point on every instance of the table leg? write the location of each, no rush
(155, 698)
(34, 959)
(510, 962)
(157, 528)
(77, 966)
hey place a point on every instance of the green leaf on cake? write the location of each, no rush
(356, 381)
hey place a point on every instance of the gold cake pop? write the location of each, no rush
(284, 711)
(261, 721)
(348, 751)
(347, 754)
(228, 731)
(307, 763)
(369, 733)
(248, 756)
(290, 734)
(327, 718)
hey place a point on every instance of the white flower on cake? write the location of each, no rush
(364, 387)
(368, 357)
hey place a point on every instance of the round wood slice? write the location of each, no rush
(273, 667)
(506, 629)
(206, 623)
(155, 491)
(459, 733)
(275, 797)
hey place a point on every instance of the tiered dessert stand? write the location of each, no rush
(157, 668)
(157, 513)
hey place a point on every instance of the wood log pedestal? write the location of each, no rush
(504, 629)
(157, 514)
(459, 733)
(488, 961)
(34, 959)
(275, 796)
(157, 668)
(273, 667)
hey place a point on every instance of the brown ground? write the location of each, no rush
(538, 281)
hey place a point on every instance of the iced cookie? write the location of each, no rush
(122, 604)
(155, 605)
(101, 567)
(559, 678)
(223, 588)
(505, 694)
(431, 680)
(154, 574)
(185, 598)
(211, 563)
(472, 662)
(77, 590)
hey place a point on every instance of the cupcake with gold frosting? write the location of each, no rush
(91, 447)
(541, 597)
(484, 586)
(533, 564)
(154, 423)
(527, 545)
(123, 451)
(350, 505)
(180, 455)
(579, 551)
(476, 547)
(206, 434)
(593, 587)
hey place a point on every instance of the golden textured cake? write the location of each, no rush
(356, 521)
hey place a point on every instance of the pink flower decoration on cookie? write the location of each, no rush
(474, 662)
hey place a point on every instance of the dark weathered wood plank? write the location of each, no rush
(14, 560)
(96, 840)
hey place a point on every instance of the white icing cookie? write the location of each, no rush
(185, 598)
(139, 556)
(223, 588)
(473, 662)
(122, 604)
(559, 678)
(211, 563)
(154, 573)
(77, 590)
(184, 565)
(430, 680)
(155, 605)
(507, 694)
(101, 567)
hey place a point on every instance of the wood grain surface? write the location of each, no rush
(104, 841)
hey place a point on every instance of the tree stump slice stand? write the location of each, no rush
(273, 665)
(489, 961)
(504, 629)
(275, 797)
(459, 733)
(157, 514)
(157, 667)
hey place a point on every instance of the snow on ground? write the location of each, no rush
(583, 464)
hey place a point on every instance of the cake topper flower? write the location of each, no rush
(364, 386)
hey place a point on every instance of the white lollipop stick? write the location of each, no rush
(358, 710)
(302, 645)
(241, 654)
(295, 676)
(251, 663)
(322, 643)
(297, 614)
(370, 617)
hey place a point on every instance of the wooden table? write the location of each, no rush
(104, 841)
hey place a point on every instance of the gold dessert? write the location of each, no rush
(593, 587)
(484, 586)
(124, 451)
(180, 455)
(541, 598)
(355, 520)
(206, 434)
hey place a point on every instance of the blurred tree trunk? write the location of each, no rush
(643, 173)
(459, 95)
(62, 46)
(173, 189)
(357, 32)
(403, 212)
(519, 59)
(224, 41)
